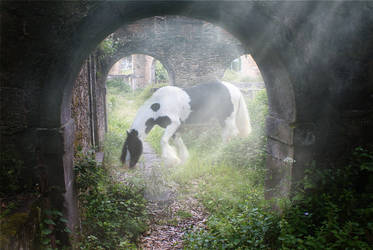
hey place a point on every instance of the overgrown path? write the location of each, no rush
(170, 216)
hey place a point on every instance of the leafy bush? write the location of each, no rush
(258, 111)
(113, 214)
(248, 228)
(161, 74)
(119, 84)
(334, 211)
(14, 177)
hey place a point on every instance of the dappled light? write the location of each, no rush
(186, 125)
(218, 176)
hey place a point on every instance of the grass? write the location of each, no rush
(330, 212)
(122, 108)
(228, 179)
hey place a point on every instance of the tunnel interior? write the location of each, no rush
(319, 88)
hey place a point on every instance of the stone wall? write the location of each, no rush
(88, 107)
(191, 50)
(80, 111)
(315, 58)
(142, 71)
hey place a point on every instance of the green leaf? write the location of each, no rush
(46, 241)
(46, 231)
(63, 220)
(49, 222)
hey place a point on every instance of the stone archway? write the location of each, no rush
(281, 103)
(314, 94)
(191, 50)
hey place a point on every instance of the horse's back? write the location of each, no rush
(209, 100)
(171, 101)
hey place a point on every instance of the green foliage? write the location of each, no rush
(108, 46)
(51, 224)
(161, 74)
(248, 227)
(14, 178)
(258, 111)
(333, 210)
(113, 214)
(119, 84)
(154, 138)
(10, 175)
(143, 94)
(234, 76)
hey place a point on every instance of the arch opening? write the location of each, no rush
(317, 99)
(138, 71)
(278, 110)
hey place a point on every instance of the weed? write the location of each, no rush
(119, 84)
(113, 214)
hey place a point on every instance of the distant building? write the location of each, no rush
(138, 70)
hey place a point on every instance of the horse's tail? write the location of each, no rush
(242, 118)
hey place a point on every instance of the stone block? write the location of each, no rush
(279, 129)
(70, 203)
(279, 150)
(304, 134)
(278, 178)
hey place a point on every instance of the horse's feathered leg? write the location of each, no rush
(230, 129)
(169, 155)
(181, 148)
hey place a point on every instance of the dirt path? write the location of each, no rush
(170, 216)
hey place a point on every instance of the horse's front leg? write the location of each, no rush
(169, 155)
(181, 148)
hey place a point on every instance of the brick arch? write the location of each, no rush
(319, 88)
(274, 71)
(190, 49)
(109, 62)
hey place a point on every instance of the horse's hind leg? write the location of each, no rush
(169, 155)
(181, 148)
(230, 129)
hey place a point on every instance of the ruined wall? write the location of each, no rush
(88, 107)
(191, 50)
(80, 111)
(99, 104)
(142, 71)
(315, 57)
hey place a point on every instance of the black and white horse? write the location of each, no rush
(170, 107)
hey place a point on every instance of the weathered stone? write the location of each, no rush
(70, 204)
(80, 111)
(278, 179)
(279, 150)
(279, 130)
(304, 134)
(315, 58)
(191, 50)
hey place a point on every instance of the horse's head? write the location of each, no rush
(132, 148)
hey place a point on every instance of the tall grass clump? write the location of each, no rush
(112, 213)
(332, 210)
(118, 84)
